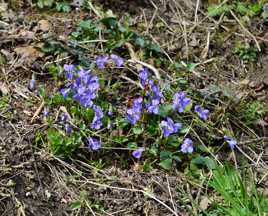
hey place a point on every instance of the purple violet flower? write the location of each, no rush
(134, 113)
(117, 60)
(153, 106)
(96, 123)
(68, 67)
(69, 75)
(45, 112)
(169, 127)
(32, 84)
(143, 75)
(187, 146)
(132, 116)
(65, 92)
(180, 101)
(137, 104)
(154, 98)
(203, 113)
(101, 61)
(138, 153)
(64, 117)
(231, 141)
(68, 128)
(94, 144)
(110, 112)
(83, 74)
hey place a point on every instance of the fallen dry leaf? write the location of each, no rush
(204, 203)
(43, 25)
(4, 88)
(29, 53)
(9, 56)
(26, 34)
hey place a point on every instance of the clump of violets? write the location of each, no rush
(83, 85)
(231, 141)
(168, 127)
(134, 113)
(94, 144)
(138, 153)
(180, 101)
(187, 146)
(203, 113)
(153, 92)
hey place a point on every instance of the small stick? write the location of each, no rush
(38, 111)
(94, 9)
(152, 68)
(132, 81)
(171, 198)
(87, 204)
(196, 11)
(204, 53)
(246, 30)
(245, 155)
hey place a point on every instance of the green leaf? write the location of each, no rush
(217, 10)
(140, 42)
(173, 141)
(265, 12)
(164, 110)
(48, 3)
(45, 3)
(110, 22)
(63, 7)
(40, 4)
(76, 205)
(256, 8)
(188, 107)
(55, 71)
(86, 24)
(185, 130)
(132, 145)
(87, 114)
(122, 122)
(191, 66)
(176, 158)
(153, 150)
(205, 161)
(165, 155)
(242, 8)
(166, 164)
(42, 92)
(137, 130)
(147, 167)
(153, 47)
(120, 139)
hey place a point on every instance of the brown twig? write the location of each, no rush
(246, 30)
